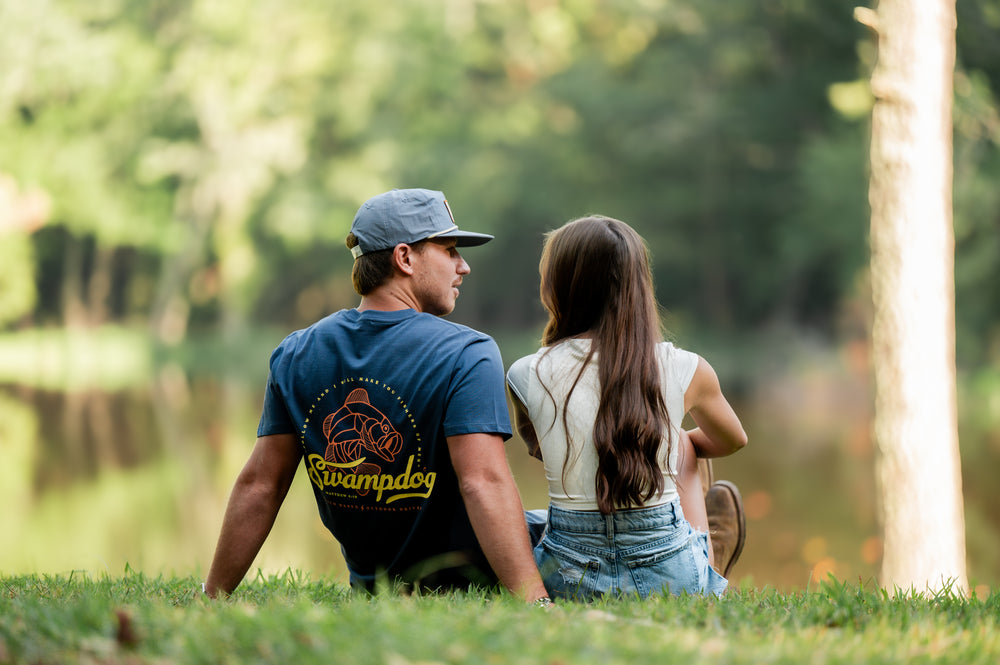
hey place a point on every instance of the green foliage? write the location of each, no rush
(977, 216)
(290, 618)
(17, 290)
(205, 159)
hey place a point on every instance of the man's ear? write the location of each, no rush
(402, 258)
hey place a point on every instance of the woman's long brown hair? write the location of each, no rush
(596, 279)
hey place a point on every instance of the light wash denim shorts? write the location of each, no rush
(584, 555)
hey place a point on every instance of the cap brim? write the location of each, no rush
(467, 238)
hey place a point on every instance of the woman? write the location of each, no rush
(602, 404)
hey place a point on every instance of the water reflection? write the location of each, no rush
(97, 480)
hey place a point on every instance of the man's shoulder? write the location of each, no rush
(389, 328)
(449, 328)
(295, 339)
(406, 319)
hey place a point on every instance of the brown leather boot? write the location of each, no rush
(726, 524)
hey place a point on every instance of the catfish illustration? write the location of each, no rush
(357, 427)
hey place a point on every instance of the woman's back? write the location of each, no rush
(565, 429)
(603, 403)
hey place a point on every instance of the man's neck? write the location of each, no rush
(388, 299)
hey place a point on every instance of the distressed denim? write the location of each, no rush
(584, 555)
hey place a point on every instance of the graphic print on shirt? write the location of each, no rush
(356, 427)
(372, 453)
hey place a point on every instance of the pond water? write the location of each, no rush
(98, 481)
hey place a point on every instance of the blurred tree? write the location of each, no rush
(244, 126)
(204, 160)
(912, 266)
(977, 170)
(72, 108)
(20, 214)
(689, 120)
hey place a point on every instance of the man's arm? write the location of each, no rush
(496, 512)
(253, 505)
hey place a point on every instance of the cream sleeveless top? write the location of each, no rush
(541, 382)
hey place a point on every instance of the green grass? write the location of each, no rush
(293, 619)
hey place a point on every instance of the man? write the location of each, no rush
(400, 418)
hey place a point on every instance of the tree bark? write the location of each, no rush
(912, 270)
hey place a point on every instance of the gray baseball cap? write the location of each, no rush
(407, 216)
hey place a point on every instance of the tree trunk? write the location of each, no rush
(74, 309)
(99, 285)
(912, 270)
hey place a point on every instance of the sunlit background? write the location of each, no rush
(177, 178)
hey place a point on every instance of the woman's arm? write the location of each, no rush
(719, 431)
(522, 423)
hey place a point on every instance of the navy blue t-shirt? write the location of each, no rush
(372, 397)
